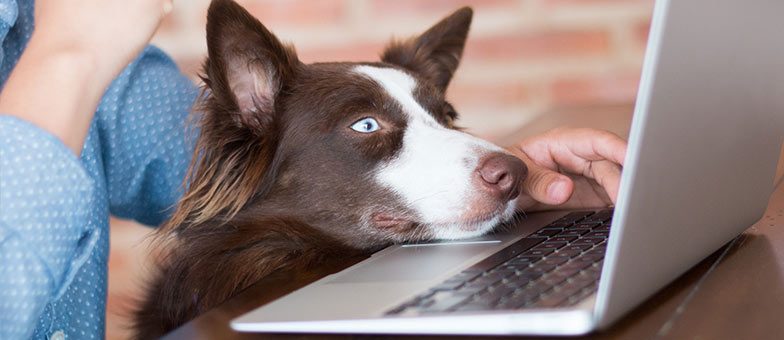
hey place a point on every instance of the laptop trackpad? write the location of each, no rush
(416, 262)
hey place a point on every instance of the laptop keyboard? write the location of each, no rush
(557, 266)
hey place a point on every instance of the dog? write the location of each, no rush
(296, 163)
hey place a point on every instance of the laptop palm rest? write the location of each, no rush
(418, 262)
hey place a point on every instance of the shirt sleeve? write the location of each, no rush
(45, 233)
(146, 139)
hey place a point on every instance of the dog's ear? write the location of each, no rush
(234, 159)
(247, 66)
(436, 53)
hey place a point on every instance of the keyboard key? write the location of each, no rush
(553, 279)
(495, 294)
(547, 232)
(575, 216)
(539, 252)
(555, 260)
(598, 234)
(523, 261)
(580, 230)
(596, 252)
(563, 238)
(578, 265)
(490, 279)
(580, 295)
(577, 283)
(444, 304)
(553, 300)
(589, 258)
(469, 290)
(518, 300)
(578, 246)
(550, 245)
(601, 216)
(502, 271)
(465, 276)
(574, 232)
(425, 295)
(541, 268)
(472, 307)
(448, 285)
(588, 240)
(423, 303)
(558, 225)
(525, 276)
(589, 225)
(539, 288)
(568, 252)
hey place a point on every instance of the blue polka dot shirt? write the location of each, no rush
(55, 207)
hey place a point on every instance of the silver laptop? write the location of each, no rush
(704, 143)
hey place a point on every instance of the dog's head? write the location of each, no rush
(365, 152)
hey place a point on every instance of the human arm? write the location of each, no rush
(46, 229)
(144, 116)
(45, 233)
(570, 169)
(77, 48)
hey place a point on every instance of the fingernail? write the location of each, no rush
(556, 190)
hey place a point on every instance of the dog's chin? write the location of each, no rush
(463, 228)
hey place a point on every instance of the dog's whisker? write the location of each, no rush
(429, 196)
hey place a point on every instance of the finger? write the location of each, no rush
(547, 186)
(572, 150)
(608, 175)
(601, 145)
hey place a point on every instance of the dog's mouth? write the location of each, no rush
(473, 225)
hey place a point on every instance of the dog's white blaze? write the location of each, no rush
(433, 170)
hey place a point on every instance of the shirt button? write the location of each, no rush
(58, 335)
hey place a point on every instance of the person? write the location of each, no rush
(93, 123)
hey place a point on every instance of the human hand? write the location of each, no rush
(570, 169)
(77, 48)
(110, 33)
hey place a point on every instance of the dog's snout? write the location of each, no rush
(502, 175)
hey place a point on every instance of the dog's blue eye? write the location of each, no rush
(365, 125)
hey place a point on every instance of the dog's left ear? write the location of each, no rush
(436, 53)
(247, 65)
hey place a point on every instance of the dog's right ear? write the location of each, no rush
(436, 53)
(247, 66)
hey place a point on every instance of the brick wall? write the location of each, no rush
(523, 58)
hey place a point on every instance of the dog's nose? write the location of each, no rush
(502, 175)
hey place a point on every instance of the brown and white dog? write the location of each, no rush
(298, 162)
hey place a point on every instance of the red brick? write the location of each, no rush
(467, 93)
(387, 8)
(358, 51)
(588, 91)
(296, 12)
(549, 44)
(583, 3)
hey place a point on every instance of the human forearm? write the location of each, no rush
(56, 88)
(77, 48)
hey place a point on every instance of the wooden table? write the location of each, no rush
(735, 293)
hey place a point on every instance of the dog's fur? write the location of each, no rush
(281, 177)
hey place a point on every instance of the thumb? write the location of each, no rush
(547, 186)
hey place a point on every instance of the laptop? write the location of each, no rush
(704, 142)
